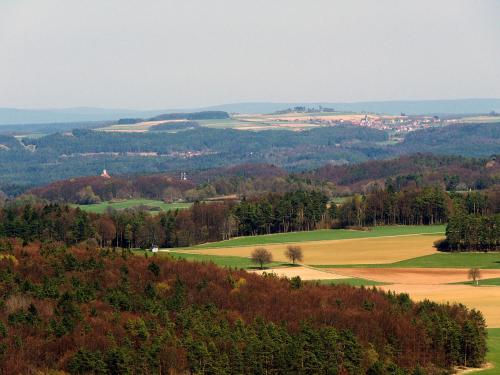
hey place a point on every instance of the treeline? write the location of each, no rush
(453, 173)
(242, 180)
(83, 310)
(472, 233)
(215, 221)
(429, 205)
(203, 222)
(404, 173)
(297, 211)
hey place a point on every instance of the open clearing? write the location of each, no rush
(354, 251)
(131, 203)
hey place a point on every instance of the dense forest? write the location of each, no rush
(460, 139)
(414, 171)
(32, 220)
(83, 152)
(472, 232)
(418, 170)
(86, 152)
(88, 310)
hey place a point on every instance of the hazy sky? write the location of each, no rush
(187, 53)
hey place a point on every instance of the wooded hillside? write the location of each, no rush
(85, 310)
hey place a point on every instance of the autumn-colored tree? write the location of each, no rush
(106, 229)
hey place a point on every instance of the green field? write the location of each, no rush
(485, 282)
(131, 203)
(325, 234)
(493, 355)
(351, 281)
(441, 260)
(223, 261)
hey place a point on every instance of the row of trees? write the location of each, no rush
(270, 213)
(429, 205)
(296, 211)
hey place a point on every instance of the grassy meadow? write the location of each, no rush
(132, 203)
(326, 235)
(439, 260)
(493, 355)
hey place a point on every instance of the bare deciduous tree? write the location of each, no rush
(475, 275)
(294, 253)
(262, 256)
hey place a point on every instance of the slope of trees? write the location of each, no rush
(460, 139)
(409, 171)
(86, 152)
(84, 310)
(403, 173)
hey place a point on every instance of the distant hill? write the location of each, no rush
(13, 116)
(451, 172)
(464, 139)
(394, 107)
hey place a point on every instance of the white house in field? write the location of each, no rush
(154, 248)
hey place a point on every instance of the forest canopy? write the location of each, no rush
(99, 311)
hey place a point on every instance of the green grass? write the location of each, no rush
(131, 203)
(484, 282)
(325, 234)
(351, 281)
(441, 260)
(493, 355)
(223, 261)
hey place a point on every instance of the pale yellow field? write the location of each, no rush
(353, 251)
(484, 298)
(434, 284)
